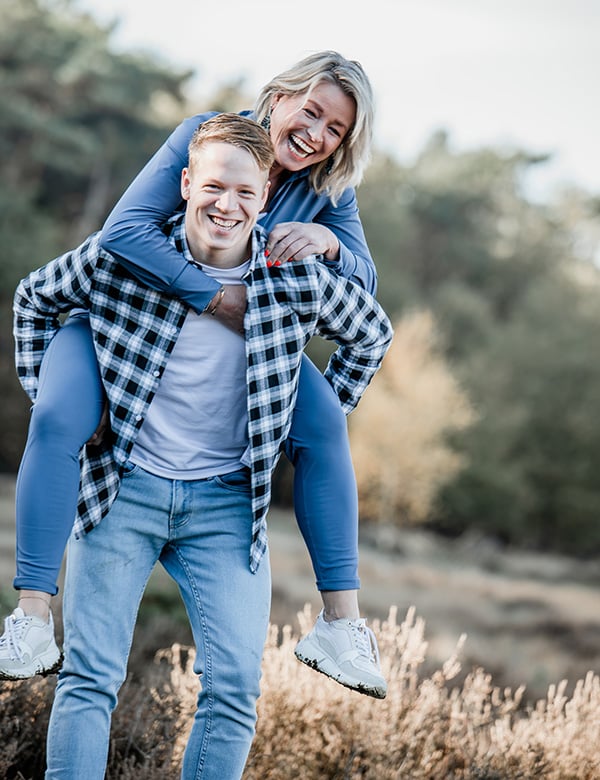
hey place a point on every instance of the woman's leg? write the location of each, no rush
(326, 503)
(325, 495)
(65, 415)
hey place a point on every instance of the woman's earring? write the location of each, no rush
(329, 165)
(266, 121)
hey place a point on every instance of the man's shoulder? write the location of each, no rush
(90, 250)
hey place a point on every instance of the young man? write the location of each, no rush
(198, 416)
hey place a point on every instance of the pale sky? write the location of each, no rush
(506, 73)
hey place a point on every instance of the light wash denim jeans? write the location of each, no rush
(200, 531)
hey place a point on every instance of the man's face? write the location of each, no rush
(225, 193)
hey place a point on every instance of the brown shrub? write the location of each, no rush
(399, 430)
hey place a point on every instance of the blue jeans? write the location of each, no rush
(201, 533)
(66, 413)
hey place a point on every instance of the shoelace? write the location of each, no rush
(13, 629)
(364, 640)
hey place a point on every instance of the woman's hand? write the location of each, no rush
(296, 240)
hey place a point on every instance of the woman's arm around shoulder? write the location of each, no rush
(133, 232)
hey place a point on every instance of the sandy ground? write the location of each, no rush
(529, 619)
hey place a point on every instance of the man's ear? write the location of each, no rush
(185, 184)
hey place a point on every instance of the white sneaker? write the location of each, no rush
(345, 650)
(27, 647)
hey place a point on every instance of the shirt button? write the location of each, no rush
(156, 373)
(138, 417)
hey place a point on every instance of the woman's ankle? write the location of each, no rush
(340, 604)
(35, 603)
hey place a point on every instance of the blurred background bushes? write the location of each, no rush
(484, 416)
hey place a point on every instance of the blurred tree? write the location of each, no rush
(460, 220)
(77, 122)
(77, 119)
(533, 455)
(230, 96)
(514, 289)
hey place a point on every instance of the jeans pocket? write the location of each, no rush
(128, 469)
(237, 481)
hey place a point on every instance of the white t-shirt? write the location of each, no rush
(197, 423)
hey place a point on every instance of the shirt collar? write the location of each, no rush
(175, 229)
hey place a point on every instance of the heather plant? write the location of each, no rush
(430, 727)
(24, 712)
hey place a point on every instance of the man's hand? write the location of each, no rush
(230, 311)
(103, 426)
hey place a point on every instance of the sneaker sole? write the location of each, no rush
(326, 666)
(53, 667)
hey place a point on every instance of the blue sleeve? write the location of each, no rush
(132, 233)
(355, 261)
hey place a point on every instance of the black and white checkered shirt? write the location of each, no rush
(136, 328)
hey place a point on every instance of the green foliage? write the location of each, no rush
(77, 122)
(533, 476)
(520, 316)
(456, 220)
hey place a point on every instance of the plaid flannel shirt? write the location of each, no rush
(135, 330)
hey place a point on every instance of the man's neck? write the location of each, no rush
(229, 258)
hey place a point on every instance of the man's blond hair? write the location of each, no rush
(239, 131)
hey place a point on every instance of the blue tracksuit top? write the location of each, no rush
(133, 235)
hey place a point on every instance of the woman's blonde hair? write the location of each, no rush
(351, 158)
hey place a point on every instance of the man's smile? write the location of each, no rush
(224, 224)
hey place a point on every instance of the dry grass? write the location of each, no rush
(425, 728)
(428, 728)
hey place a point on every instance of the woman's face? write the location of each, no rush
(306, 129)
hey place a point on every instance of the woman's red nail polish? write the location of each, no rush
(269, 264)
(277, 262)
(267, 253)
